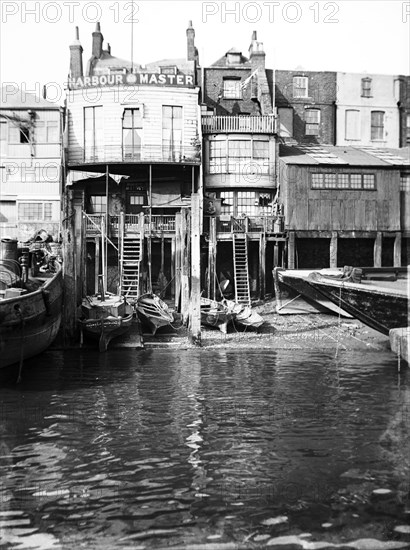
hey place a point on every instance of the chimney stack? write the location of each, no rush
(76, 56)
(109, 48)
(97, 42)
(190, 36)
(256, 53)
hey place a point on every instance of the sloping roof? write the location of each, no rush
(391, 156)
(339, 155)
(16, 98)
(182, 65)
(223, 61)
(108, 61)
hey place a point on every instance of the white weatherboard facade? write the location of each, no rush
(366, 110)
(107, 143)
(30, 173)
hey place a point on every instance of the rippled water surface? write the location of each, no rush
(134, 449)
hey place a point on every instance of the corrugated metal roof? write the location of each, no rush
(339, 155)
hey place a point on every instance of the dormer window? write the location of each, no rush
(169, 70)
(366, 87)
(234, 58)
(232, 88)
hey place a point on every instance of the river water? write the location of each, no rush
(144, 449)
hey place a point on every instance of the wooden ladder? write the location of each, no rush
(131, 255)
(240, 261)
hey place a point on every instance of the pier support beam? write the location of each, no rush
(291, 249)
(333, 250)
(195, 304)
(211, 282)
(262, 265)
(377, 254)
(397, 250)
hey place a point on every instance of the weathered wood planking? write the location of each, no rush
(309, 209)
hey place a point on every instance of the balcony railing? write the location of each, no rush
(250, 224)
(264, 124)
(159, 224)
(138, 154)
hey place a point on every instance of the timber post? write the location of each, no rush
(333, 250)
(195, 302)
(377, 251)
(262, 265)
(397, 250)
(291, 250)
(211, 282)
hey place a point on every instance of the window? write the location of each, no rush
(312, 118)
(171, 69)
(234, 58)
(47, 132)
(132, 134)
(352, 124)
(377, 125)
(19, 134)
(330, 181)
(35, 211)
(171, 132)
(7, 211)
(300, 86)
(246, 203)
(368, 181)
(136, 200)
(217, 156)
(405, 183)
(227, 203)
(366, 87)
(98, 204)
(260, 149)
(93, 133)
(343, 181)
(232, 89)
(240, 156)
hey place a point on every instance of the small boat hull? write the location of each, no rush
(294, 296)
(29, 323)
(105, 329)
(105, 319)
(244, 315)
(379, 307)
(215, 314)
(153, 312)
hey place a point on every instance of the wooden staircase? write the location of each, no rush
(240, 262)
(131, 256)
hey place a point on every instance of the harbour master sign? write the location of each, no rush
(132, 79)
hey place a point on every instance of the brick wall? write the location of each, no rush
(322, 94)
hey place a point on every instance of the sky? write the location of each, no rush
(346, 35)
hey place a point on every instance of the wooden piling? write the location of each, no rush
(397, 250)
(262, 265)
(195, 302)
(333, 250)
(291, 249)
(211, 282)
(377, 251)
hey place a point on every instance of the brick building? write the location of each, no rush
(239, 162)
(306, 105)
